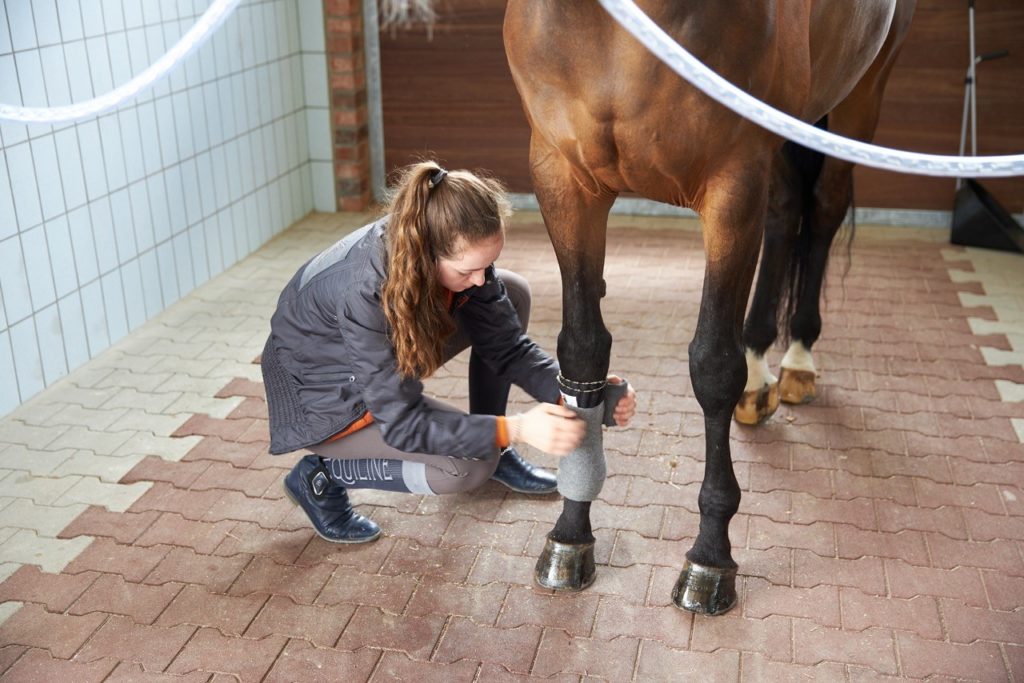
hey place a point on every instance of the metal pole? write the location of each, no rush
(375, 110)
(974, 82)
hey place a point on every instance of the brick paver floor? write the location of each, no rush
(144, 534)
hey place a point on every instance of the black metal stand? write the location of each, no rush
(978, 219)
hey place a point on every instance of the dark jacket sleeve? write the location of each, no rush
(407, 422)
(494, 330)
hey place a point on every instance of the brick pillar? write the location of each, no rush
(346, 74)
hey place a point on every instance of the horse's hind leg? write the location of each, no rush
(833, 195)
(761, 395)
(577, 221)
(855, 117)
(733, 213)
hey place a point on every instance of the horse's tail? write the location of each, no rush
(807, 164)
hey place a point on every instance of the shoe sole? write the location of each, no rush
(527, 491)
(291, 497)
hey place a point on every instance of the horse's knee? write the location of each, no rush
(587, 346)
(718, 376)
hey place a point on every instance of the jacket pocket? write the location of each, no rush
(328, 377)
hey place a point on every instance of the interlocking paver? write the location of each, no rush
(872, 648)
(617, 617)
(246, 658)
(167, 448)
(37, 461)
(127, 640)
(397, 667)
(42, 490)
(102, 442)
(109, 469)
(45, 520)
(300, 661)
(908, 581)
(320, 625)
(611, 660)
(92, 491)
(55, 591)
(528, 606)
(60, 634)
(123, 527)
(980, 660)
(448, 564)
(389, 593)
(51, 554)
(111, 594)
(197, 605)
(39, 666)
(481, 604)
(513, 648)
(106, 555)
(413, 635)
(264, 575)
(656, 662)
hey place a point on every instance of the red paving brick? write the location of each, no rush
(151, 646)
(111, 594)
(55, 591)
(878, 537)
(208, 650)
(38, 666)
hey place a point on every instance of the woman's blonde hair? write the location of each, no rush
(427, 222)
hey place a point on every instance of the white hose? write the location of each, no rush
(689, 67)
(211, 19)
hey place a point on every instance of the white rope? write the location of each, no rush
(211, 19)
(689, 67)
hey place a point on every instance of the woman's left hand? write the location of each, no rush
(625, 409)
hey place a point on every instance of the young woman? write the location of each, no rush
(359, 326)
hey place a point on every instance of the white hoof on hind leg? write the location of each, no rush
(797, 384)
(761, 395)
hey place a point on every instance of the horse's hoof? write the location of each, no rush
(757, 405)
(797, 386)
(565, 566)
(705, 590)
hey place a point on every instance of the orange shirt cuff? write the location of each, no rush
(501, 438)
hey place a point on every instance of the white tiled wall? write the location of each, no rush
(106, 222)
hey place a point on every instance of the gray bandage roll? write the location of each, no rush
(581, 473)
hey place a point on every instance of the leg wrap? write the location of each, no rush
(581, 474)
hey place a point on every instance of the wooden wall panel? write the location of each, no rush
(451, 97)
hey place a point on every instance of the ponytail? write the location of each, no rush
(432, 213)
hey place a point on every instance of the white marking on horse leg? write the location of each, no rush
(758, 373)
(798, 357)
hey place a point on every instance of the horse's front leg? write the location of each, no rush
(577, 221)
(733, 214)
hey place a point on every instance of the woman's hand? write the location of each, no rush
(551, 428)
(625, 409)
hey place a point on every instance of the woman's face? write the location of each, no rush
(466, 267)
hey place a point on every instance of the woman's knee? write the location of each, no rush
(519, 294)
(462, 475)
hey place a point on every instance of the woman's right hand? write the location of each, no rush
(551, 428)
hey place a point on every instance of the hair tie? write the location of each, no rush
(437, 177)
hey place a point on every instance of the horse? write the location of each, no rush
(607, 117)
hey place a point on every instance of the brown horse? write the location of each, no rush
(608, 117)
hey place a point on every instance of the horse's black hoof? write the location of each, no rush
(565, 566)
(705, 590)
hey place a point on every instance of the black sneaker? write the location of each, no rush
(519, 475)
(326, 504)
